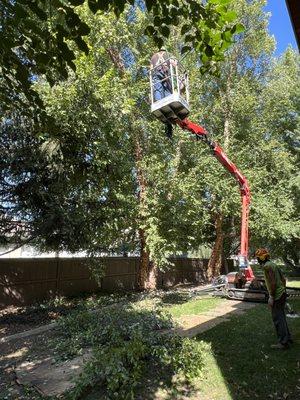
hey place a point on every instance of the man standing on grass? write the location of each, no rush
(275, 282)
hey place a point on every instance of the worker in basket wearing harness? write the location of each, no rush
(160, 64)
(276, 285)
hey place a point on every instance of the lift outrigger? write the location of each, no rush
(170, 104)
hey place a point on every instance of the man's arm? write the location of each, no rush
(282, 277)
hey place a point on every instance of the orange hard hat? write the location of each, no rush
(262, 254)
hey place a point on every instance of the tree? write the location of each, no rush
(91, 154)
(37, 38)
(84, 194)
(108, 176)
(234, 107)
(281, 100)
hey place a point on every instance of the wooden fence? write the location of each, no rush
(25, 281)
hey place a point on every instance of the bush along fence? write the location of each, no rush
(25, 281)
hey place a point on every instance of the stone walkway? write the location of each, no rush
(31, 332)
(49, 378)
(192, 325)
(52, 379)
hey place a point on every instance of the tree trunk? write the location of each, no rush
(147, 273)
(224, 269)
(215, 261)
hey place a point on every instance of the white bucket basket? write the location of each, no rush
(169, 91)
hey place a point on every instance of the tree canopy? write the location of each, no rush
(39, 38)
(107, 178)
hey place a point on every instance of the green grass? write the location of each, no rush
(293, 282)
(194, 307)
(241, 364)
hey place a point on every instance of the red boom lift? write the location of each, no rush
(170, 104)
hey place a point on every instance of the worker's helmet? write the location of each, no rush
(262, 254)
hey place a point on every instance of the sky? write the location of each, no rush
(280, 25)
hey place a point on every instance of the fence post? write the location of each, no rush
(57, 277)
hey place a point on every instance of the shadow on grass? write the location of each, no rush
(244, 360)
(52, 309)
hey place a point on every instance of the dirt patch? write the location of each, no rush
(19, 319)
(16, 352)
(50, 378)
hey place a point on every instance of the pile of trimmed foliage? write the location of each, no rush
(127, 342)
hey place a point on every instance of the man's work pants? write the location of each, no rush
(279, 319)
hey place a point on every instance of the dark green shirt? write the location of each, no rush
(275, 281)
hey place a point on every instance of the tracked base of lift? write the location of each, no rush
(234, 286)
(170, 108)
(257, 296)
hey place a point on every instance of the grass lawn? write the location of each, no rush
(238, 362)
(194, 307)
(293, 282)
(241, 364)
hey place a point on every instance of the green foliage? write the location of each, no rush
(106, 172)
(126, 341)
(281, 100)
(97, 268)
(205, 27)
(240, 109)
(38, 38)
(33, 43)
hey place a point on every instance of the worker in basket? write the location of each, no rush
(160, 65)
(276, 285)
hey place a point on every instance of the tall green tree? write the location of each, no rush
(282, 101)
(235, 109)
(38, 37)
(108, 175)
(108, 155)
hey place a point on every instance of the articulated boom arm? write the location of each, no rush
(201, 133)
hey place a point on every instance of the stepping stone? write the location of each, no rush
(50, 378)
(198, 324)
(192, 325)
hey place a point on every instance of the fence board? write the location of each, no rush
(24, 281)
